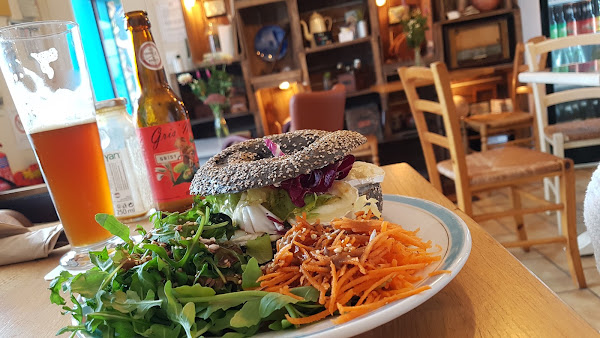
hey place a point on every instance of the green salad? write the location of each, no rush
(186, 278)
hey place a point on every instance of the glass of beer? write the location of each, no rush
(45, 69)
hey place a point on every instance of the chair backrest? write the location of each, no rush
(451, 139)
(519, 66)
(536, 55)
(322, 110)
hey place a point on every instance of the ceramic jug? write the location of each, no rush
(316, 24)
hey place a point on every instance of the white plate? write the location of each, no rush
(437, 224)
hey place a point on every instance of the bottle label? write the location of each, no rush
(171, 159)
(149, 56)
(586, 26)
(120, 188)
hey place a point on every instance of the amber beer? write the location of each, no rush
(73, 166)
(162, 123)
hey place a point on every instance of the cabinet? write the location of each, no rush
(298, 60)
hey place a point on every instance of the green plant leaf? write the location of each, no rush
(248, 315)
(251, 274)
(309, 293)
(112, 224)
(88, 283)
(260, 248)
(274, 301)
(195, 290)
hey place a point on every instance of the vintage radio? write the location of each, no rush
(484, 42)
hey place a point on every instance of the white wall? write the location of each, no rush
(530, 18)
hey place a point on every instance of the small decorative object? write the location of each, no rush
(485, 5)
(213, 91)
(214, 8)
(361, 29)
(317, 24)
(397, 13)
(327, 83)
(345, 34)
(414, 28)
(271, 43)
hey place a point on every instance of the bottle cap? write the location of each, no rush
(120, 101)
(137, 19)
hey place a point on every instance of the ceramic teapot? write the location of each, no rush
(317, 24)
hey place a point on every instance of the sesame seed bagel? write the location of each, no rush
(250, 164)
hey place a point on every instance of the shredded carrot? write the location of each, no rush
(357, 265)
(439, 272)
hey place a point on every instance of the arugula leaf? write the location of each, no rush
(88, 283)
(221, 322)
(274, 301)
(309, 293)
(184, 316)
(260, 248)
(56, 285)
(112, 224)
(251, 274)
(248, 315)
(101, 259)
(195, 290)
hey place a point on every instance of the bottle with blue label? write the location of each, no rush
(127, 174)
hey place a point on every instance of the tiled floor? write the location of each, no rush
(549, 262)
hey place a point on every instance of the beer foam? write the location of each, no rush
(66, 124)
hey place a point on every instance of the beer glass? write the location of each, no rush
(44, 67)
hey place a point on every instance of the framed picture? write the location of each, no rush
(397, 13)
(214, 8)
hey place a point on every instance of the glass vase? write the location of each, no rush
(221, 129)
(418, 60)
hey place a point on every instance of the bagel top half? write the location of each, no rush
(250, 164)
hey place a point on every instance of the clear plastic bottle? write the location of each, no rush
(127, 175)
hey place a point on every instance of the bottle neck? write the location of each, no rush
(150, 69)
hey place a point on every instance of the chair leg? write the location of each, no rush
(569, 224)
(558, 149)
(520, 225)
(484, 138)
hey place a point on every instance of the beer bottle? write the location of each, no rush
(553, 23)
(162, 123)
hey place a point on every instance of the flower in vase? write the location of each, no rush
(414, 27)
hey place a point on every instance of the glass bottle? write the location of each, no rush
(162, 124)
(127, 175)
(213, 38)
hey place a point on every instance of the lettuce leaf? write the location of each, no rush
(280, 203)
(224, 203)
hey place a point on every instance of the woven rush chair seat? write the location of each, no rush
(577, 130)
(501, 120)
(503, 164)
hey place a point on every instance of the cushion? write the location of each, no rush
(503, 164)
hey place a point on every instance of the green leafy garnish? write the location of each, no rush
(185, 279)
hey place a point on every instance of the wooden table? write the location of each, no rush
(493, 295)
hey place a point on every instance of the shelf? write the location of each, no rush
(477, 16)
(273, 80)
(337, 45)
(360, 92)
(241, 4)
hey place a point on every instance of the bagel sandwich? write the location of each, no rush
(264, 183)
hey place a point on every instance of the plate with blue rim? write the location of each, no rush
(436, 223)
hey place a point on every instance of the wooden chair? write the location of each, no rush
(507, 167)
(518, 123)
(324, 110)
(556, 138)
